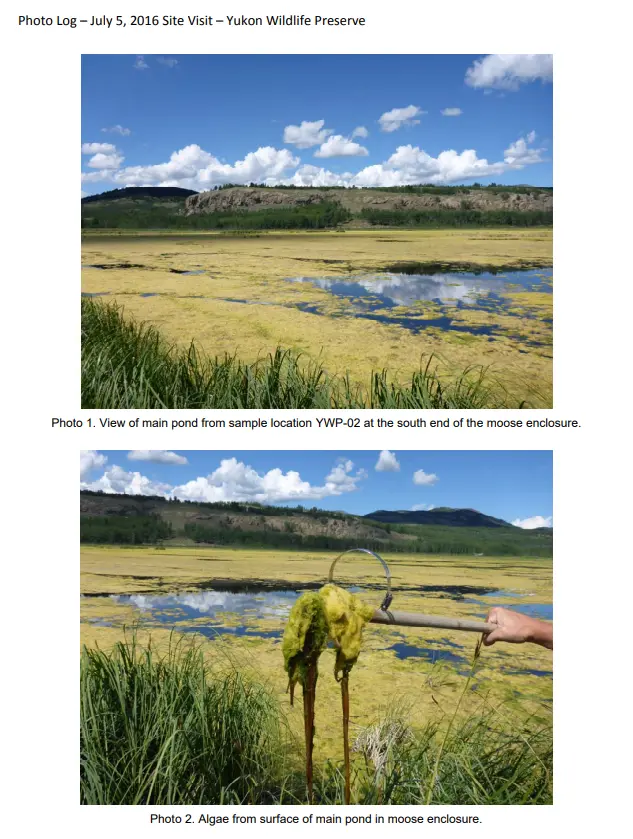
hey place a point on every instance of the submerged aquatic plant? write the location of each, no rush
(328, 614)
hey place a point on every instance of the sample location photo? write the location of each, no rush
(338, 627)
(316, 231)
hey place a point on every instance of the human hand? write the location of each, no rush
(516, 628)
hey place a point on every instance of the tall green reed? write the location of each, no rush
(160, 728)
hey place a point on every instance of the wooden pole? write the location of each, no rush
(309, 695)
(434, 621)
(345, 697)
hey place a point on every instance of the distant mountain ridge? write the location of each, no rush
(138, 519)
(232, 207)
(446, 516)
(139, 192)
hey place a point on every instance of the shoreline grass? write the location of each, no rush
(167, 728)
(127, 364)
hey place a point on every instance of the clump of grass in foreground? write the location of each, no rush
(165, 729)
(160, 729)
(477, 762)
(127, 364)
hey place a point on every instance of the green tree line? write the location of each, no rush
(139, 530)
(458, 218)
(124, 530)
(155, 216)
(229, 506)
(436, 540)
(148, 214)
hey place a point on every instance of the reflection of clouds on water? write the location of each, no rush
(255, 604)
(406, 289)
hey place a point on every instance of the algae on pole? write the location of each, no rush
(331, 614)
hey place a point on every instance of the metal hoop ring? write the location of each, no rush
(386, 603)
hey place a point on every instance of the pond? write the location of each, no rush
(468, 289)
(443, 298)
(446, 294)
(261, 611)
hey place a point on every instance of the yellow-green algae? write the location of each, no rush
(255, 269)
(335, 614)
(330, 613)
(305, 637)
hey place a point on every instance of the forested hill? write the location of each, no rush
(134, 519)
(257, 207)
(139, 192)
(447, 516)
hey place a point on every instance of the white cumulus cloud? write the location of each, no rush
(117, 480)
(307, 134)
(104, 155)
(105, 161)
(509, 72)
(98, 148)
(342, 478)
(157, 456)
(533, 522)
(522, 153)
(424, 479)
(117, 129)
(411, 165)
(308, 175)
(89, 460)
(231, 481)
(167, 62)
(451, 112)
(387, 462)
(425, 507)
(360, 131)
(102, 175)
(194, 168)
(339, 146)
(140, 63)
(398, 117)
(236, 481)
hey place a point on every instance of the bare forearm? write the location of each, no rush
(541, 633)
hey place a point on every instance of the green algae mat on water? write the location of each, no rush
(330, 614)
(246, 297)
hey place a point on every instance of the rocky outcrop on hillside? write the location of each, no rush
(356, 200)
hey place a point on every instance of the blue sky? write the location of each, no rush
(512, 485)
(198, 121)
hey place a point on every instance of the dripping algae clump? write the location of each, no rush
(330, 614)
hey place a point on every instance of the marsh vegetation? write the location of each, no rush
(299, 320)
(211, 619)
(128, 364)
(166, 727)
